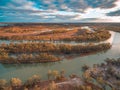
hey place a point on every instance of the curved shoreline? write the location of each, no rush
(100, 76)
(48, 54)
(65, 49)
(70, 35)
(105, 73)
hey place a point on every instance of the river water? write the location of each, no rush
(71, 65)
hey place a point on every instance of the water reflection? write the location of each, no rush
(28, 65)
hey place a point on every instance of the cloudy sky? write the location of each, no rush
(59, 10)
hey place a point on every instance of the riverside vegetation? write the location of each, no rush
(98, 77)
(55, 35)
(33, 52)
(54, 32)
(38, 52)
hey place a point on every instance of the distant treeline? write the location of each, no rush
(96, 36)
(99, 35)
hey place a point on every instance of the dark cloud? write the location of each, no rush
(89, 19)
(101, 3)
(74, 5)
(114, 13)
(60, 5)
(66, 17)
(51, 10)
(26, 11)
(77, 5)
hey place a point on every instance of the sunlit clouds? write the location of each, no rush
(60, 11)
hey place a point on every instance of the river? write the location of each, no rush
(73, 65)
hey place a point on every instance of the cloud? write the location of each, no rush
(102, 3)
(74, 5)
(59, 10)
(18, 4)
(114, 13)
(89, 19)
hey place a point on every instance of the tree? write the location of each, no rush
(49, 74)
(62, 72)
(88, 88)
(52, 86)
(2, 83)
(36, 87)
(25, 88)
(86, 76)
(33, 80)
(36, 78)
(16, 82)
(55, 73)
(101, 81)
